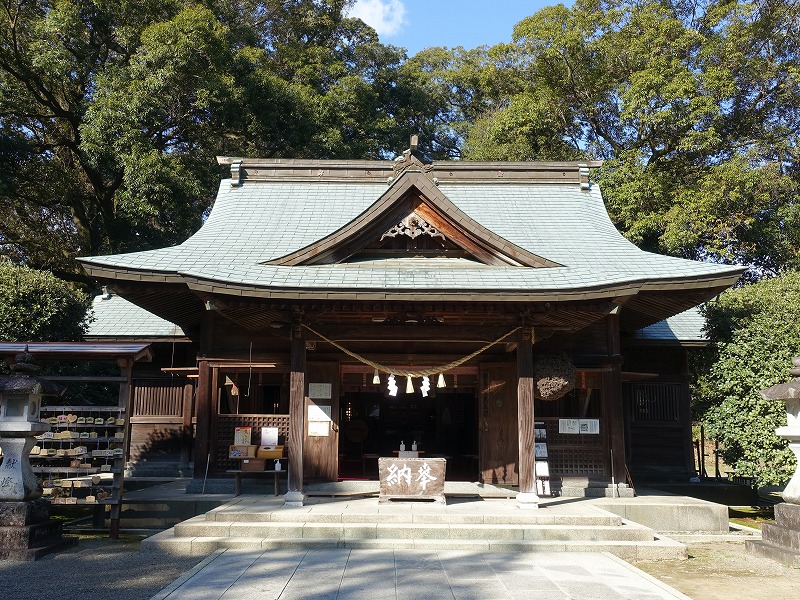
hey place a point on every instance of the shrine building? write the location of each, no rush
(465, 307)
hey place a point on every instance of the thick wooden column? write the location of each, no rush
(612, 400)
(297, 401)
(202, 439)
(527, 496)
(186, 430)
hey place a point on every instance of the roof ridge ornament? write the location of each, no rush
(583, 173)
(411, 160)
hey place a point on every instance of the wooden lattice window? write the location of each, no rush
(655, 402)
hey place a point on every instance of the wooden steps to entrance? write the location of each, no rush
(464, 524)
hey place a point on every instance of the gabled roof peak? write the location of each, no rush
(412, 206)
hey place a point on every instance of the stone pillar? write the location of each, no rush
(17, 480)
(781, 541)
(527, 497)
(26, 531)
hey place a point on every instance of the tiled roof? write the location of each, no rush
(266, 220)
(115, 317)
(687, 327)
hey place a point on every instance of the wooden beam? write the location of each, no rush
(525, 417)
(402, 333)
(297, 397)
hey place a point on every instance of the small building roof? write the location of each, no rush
(79, 350)
(114, 318)
(684, 329)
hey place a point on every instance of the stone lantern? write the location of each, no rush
(20, 401)
(26, 530)
(782, 540)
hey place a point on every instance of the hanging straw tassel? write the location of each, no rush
(409, 385)
(376, 379)
(440, 383)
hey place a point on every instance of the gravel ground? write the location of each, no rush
(724, 571)
(96, 568)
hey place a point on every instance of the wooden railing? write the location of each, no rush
(158, 397)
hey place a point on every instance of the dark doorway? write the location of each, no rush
(442, 425)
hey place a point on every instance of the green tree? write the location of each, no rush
(112, 113)
(35, 306)
(693, 107)
(756, 334)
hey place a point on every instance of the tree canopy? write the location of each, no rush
(112, 113)
(35, 306)
(692, 105)
(758, 334)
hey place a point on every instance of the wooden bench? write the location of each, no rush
(237, 479)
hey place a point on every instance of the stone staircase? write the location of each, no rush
(482, 525)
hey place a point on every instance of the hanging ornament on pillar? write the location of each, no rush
(392, 384)
(425, 387)
(409, 385)
(440, 382)
(376, 379)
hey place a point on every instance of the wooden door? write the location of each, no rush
(497, 424)
(321, 442)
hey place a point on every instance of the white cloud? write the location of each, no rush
(385, 16)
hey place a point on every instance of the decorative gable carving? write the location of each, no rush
(413, 226)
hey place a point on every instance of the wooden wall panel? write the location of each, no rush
(321, 453)
(497, 424)
(157, 443)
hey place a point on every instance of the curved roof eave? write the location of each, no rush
(615, 290)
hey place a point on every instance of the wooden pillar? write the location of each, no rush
(126, 370)
(202, 440)
(187, 413)
(297, 402)
(612, 400)
(527, 496)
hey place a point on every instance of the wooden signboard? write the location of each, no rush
(412, 479)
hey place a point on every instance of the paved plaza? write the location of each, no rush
(345, 574)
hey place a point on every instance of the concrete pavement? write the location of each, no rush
(356, 574)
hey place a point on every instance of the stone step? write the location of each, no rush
(785, 556)
(441, 531)
(781, 536)
(519, 517)
(654, 549)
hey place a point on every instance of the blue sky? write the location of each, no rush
(418, 24)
